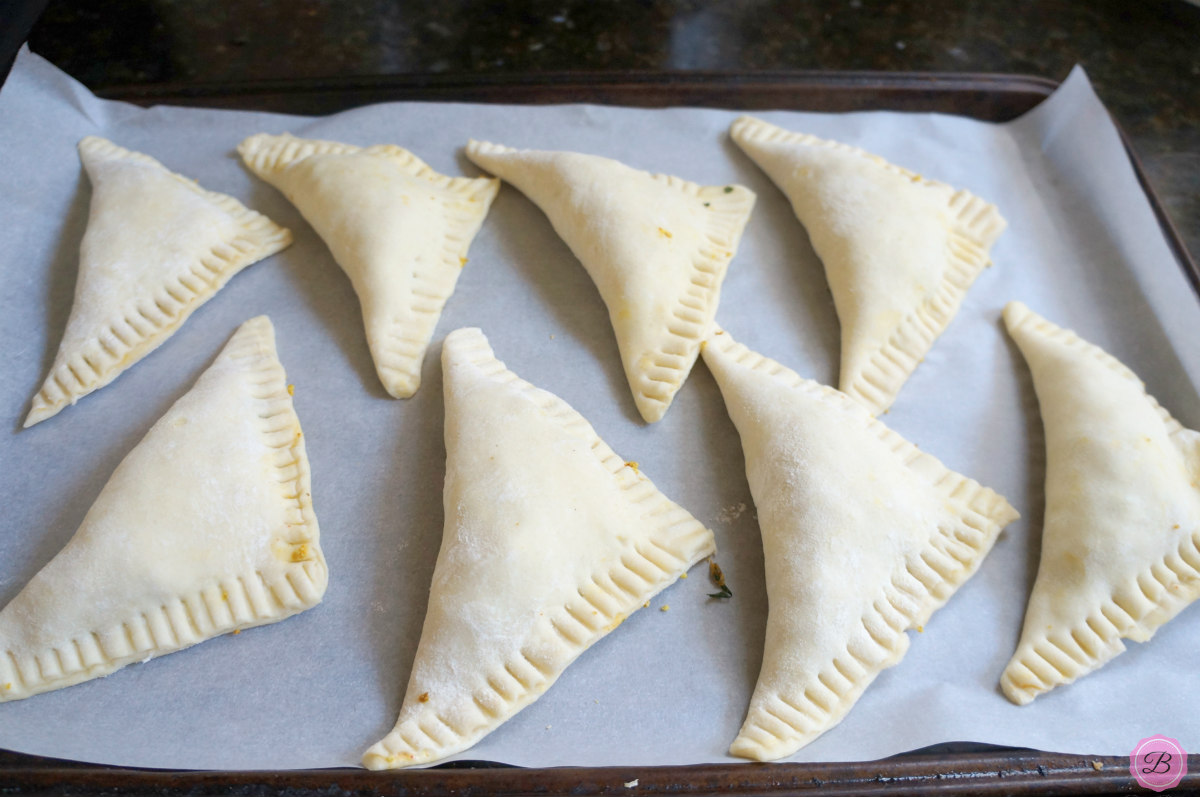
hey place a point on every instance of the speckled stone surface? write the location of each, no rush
(1142, 55)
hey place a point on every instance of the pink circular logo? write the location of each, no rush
(1158, 763)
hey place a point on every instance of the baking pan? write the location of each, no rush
(953, 767)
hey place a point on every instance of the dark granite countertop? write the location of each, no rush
(1142, 55)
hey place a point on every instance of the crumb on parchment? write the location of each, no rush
(731, 513)
(717, 577)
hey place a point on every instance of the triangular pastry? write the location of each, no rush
(157, 246)
(550, 541)
(864, 537)
(899, 251)
(1121, 537)
(656, 246)
(206, 527)
(397, 228)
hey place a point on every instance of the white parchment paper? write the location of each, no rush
(1082, 248)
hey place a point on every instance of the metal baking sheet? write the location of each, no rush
(1103, 254)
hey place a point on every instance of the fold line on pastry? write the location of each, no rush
(655, 372)
(437, 722)
(144, 321)
(1054, 649)
(790, 709)
(398, 336)
(875, 377)
(293, 579)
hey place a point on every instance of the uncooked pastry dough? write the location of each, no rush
(550, 541)
(656, 246)
(899, 251)
(206, 527)
(157, 247)
(1121, 537)
(397, 228)
(864, 537)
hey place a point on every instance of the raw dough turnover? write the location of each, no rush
(397, 228)
(1121, 537)
(206, 527)
(157, 246)
(550, 541)
(899, 251)
(864, 537)
(657, 248)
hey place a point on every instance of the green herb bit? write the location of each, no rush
(718, 579)
(724, 593)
